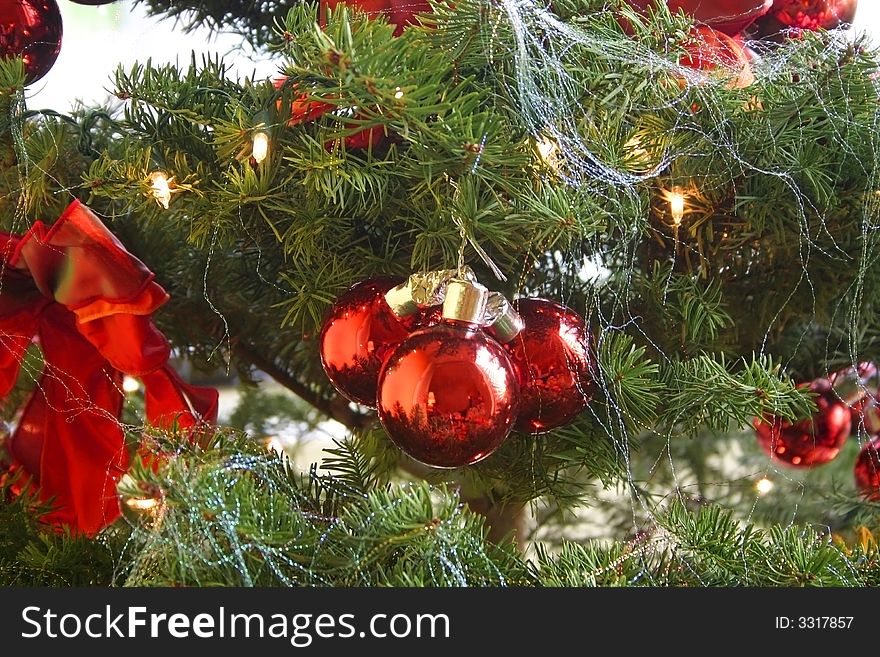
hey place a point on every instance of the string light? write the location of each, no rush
(274, 445)
(635, 148)
(260, 148)
(398, 93)
(639, 157)
(150, 506)
(676, 206)
(160, 185)
(130, 384)
(143, 504)
(548, 151)
(764, 486)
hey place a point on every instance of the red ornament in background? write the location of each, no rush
(31, 29)
(867, 470)
(812, 441)
(814, 14)
(366, 138)
(866, 415)
(359, 332)
(553, 362)
(398, 12)
(728, 16)
(856, 386)
(304, 110)
(448, 395)
(711, 50)
(790, 17)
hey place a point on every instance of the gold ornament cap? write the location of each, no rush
(465, 301)
(503, 321)
(422, 290)
(400, 299)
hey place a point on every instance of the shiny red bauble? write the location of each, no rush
(814, 14)
(711, 50)
(398, 12)
(448, 395)
(728, 16)
(359, 332)
(791, 17)
(866, 415)
(812, 441)
(32, 30)
(554, 365)
(857, 386)
(867, 470)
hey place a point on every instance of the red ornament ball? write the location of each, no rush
(789, 17)
(728, 16)
(448, 395)
(554, 365)
(867, 470)
(32, 30)
(814, 14)
(305, 110)
(812, 441)
(866, 414)
(711, 50)
(359, 332)
(430, 316)
(398, 12)
(856, 386)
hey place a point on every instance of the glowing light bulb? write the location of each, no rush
(161, 188)
(274, 445)
(764, 486)
(634, 147)
(130, 384)
(261, 146)
(638, 157)
(548, 150)
(676, 206)
(145, 504)
(398, 93)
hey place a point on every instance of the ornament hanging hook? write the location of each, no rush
(466, 238)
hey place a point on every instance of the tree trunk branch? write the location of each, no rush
(336, 408)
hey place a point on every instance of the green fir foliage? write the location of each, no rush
(31, 554)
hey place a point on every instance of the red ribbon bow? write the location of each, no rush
(76, 291)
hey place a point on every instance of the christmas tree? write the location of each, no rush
(588, 286)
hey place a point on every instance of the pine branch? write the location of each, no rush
(707, 391)
(246, 17)
(774, 262)
(231, 513)
(33, 554)
(709, 548)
